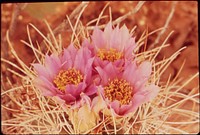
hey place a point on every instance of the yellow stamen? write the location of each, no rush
(119, 89)
(70, 76)
(110, 55)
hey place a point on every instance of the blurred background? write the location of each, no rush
(181, 17)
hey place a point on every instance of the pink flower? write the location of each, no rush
(125, 89)
(67, 75)
(112, 45)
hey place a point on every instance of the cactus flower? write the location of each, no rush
(66, 75)
(124, 90)
(112, 45)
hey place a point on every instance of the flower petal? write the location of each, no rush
(129, 72)
(88, 70)
(92, 89)
(83, 62)
(115, 39)
(52, 64)
(98, 39)
(115, 105)
(125, 36)
(103, 75)
(150, 92)
(69, 99)
(137, 100)
(87, 44)
(75, 90)
(68, 57)
(129, 48)
(124, 109)
(41, 71)
(66, 60)
(109, 72)
(108, 31)
(45, 86)
(144, 70)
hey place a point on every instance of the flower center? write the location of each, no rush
(65, 77)
(110, 55)
(119, 89)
